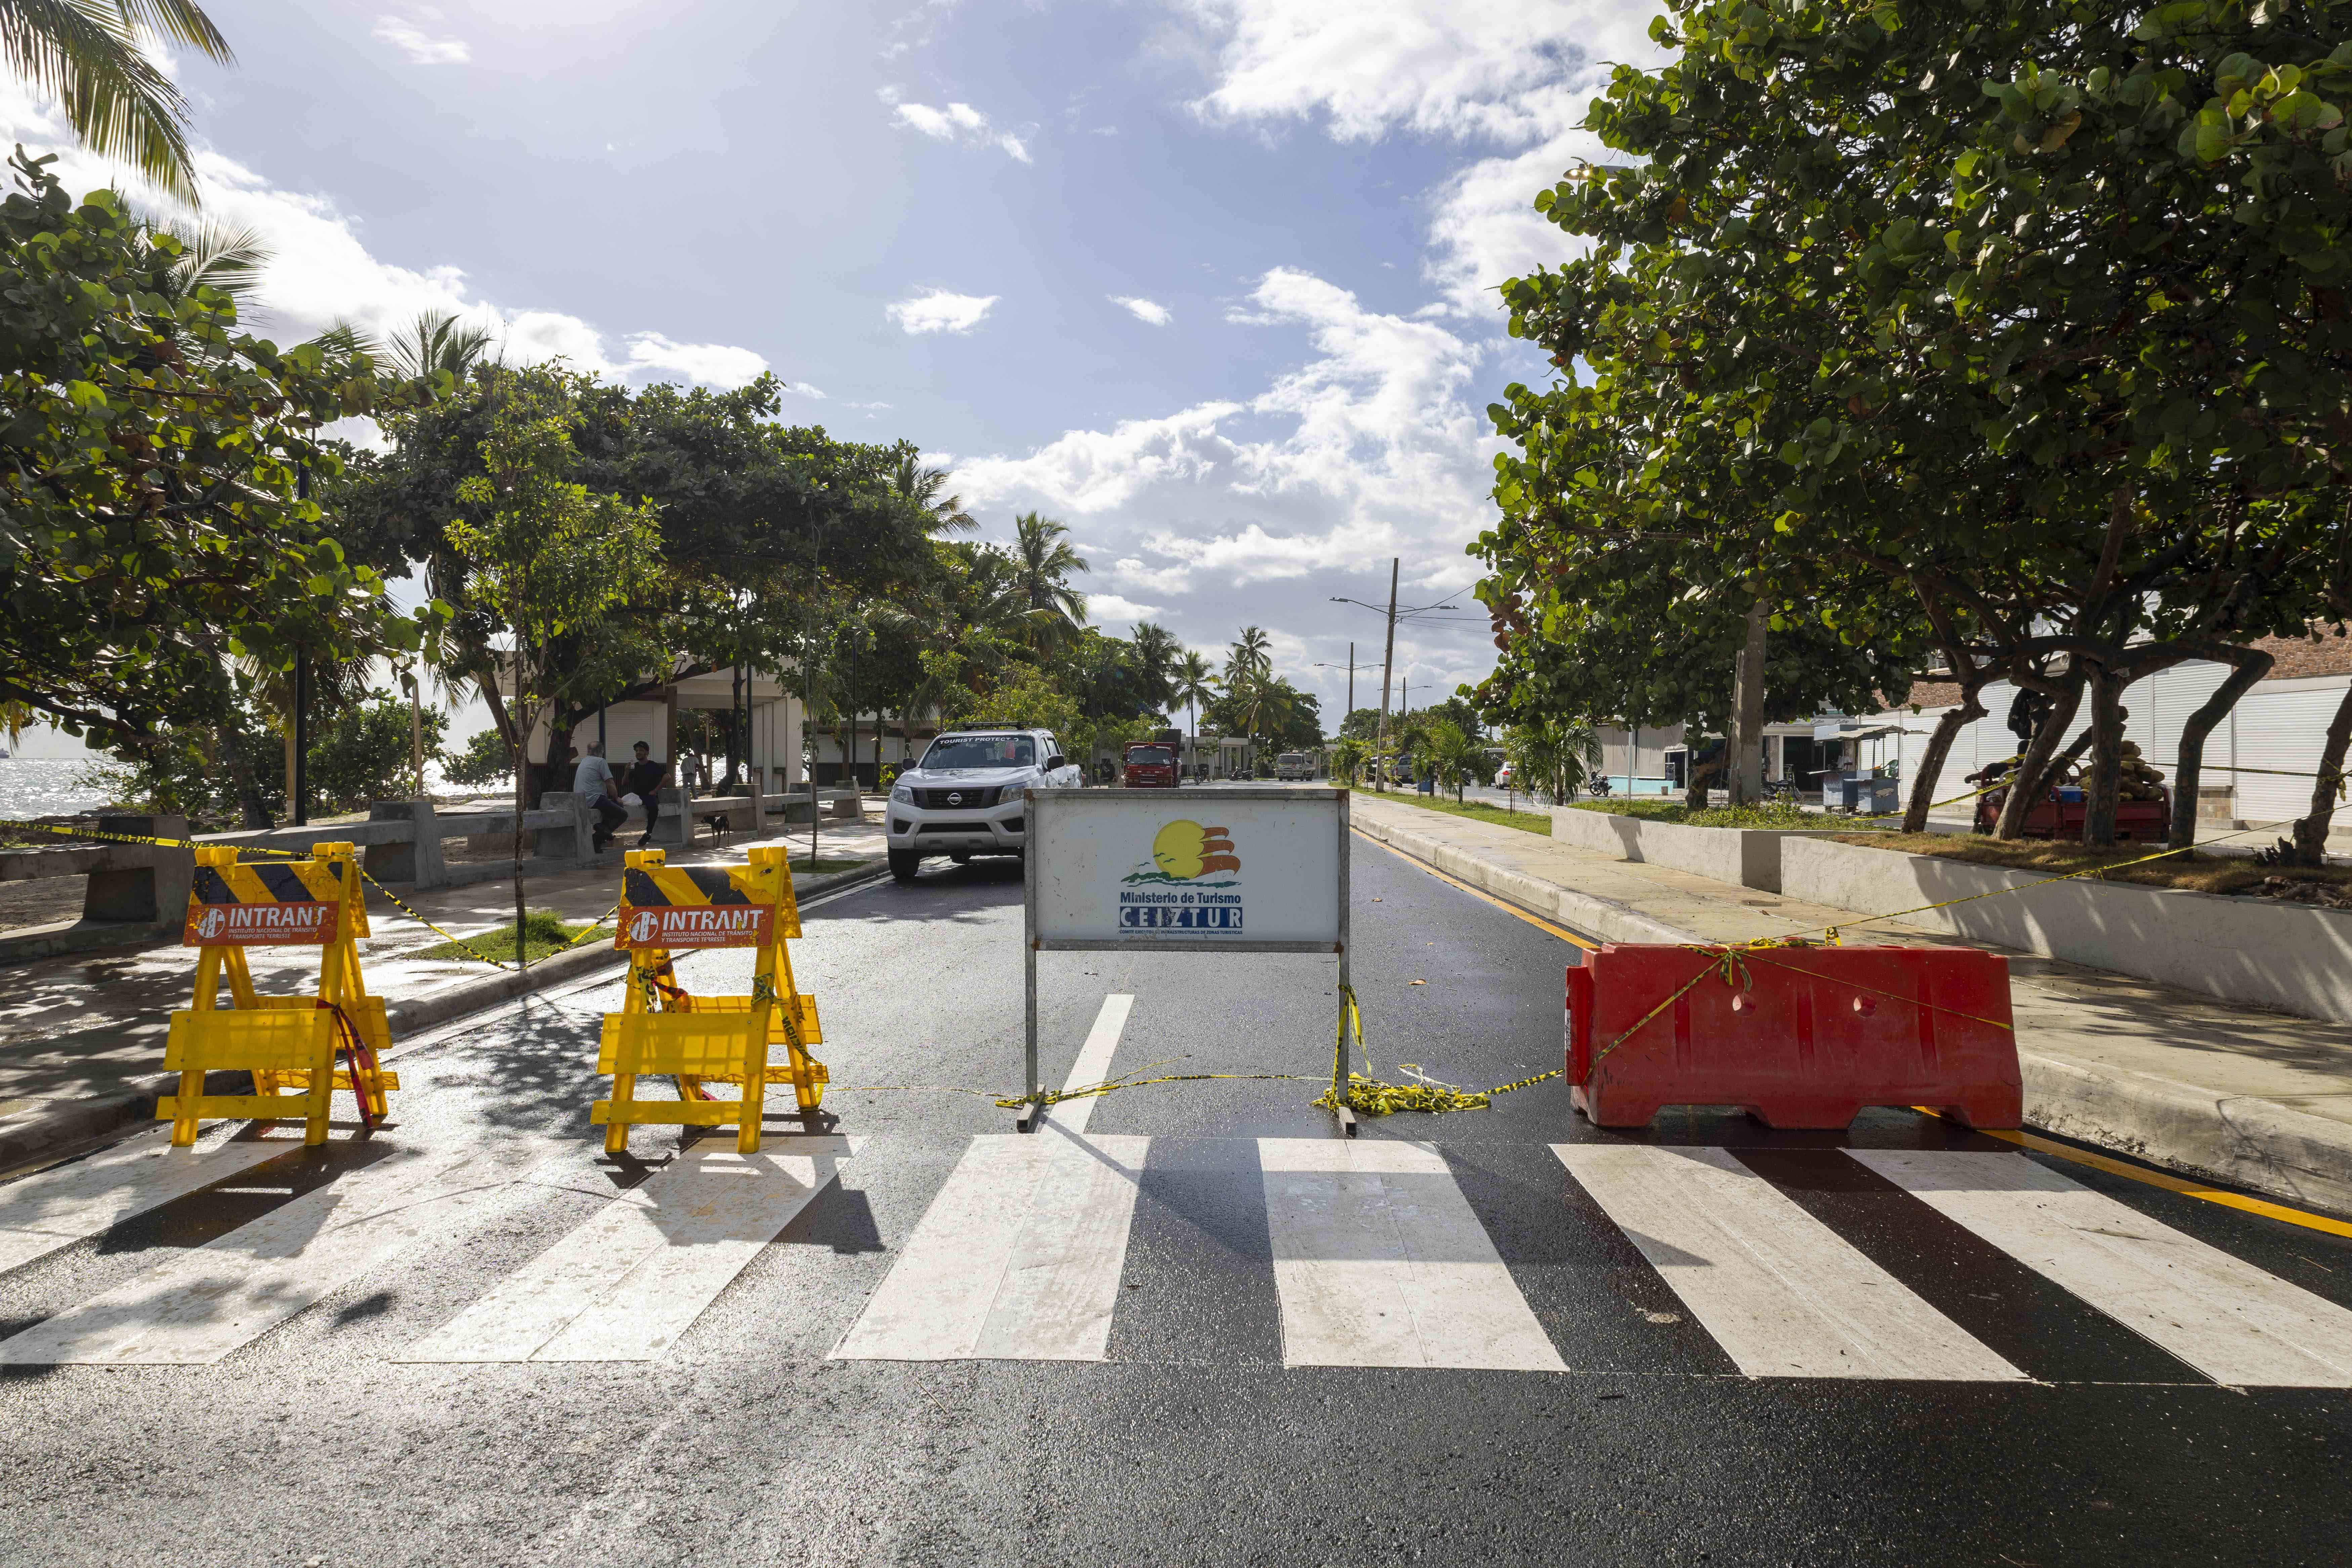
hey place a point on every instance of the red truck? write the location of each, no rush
(1151, 764)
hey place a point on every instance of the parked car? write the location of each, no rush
(1148, 764)
(1506, 777)
(966, 795)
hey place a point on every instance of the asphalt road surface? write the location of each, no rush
(1184, 1323)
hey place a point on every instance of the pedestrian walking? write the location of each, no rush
(593, 780)
(647, 776)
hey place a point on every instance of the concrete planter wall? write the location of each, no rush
(1748, 856)
(2293, 957)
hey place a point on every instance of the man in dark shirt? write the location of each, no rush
(645, 779)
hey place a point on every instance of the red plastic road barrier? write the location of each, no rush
(1798, 1037)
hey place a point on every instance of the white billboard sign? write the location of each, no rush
(1225, 868)
(1165, 870)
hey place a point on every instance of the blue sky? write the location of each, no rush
(1209, 280)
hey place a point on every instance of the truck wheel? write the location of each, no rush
(904, 864)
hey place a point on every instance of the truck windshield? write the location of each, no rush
(980, 751)
(1149, 756)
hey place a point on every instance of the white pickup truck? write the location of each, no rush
(965, 797)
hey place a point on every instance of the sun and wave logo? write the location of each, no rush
(1188, 854)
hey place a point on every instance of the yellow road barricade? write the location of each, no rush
(705, 1041)
(287, 1042)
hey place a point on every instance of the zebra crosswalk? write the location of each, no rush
(1375, 1253)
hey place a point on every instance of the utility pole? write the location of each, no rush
(1351, 684)
(1388, 659)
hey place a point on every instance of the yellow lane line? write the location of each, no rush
(2168, 1182)
(1508, 909)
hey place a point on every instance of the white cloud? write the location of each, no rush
(1367, 447)
(1096, 470)
(956, 122)
(1108, 610)
(1516, 74)
(1147, 310)
(1152, 579)
(720, 364)
(321, 270)
(940, 311)
(421, 47)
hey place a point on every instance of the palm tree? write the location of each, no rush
(1155, 660)
(85, 53)
(921, 486)
(1555, 756)
(1248, 668)
(1043, 562)
(1192, 682)
(438, 340)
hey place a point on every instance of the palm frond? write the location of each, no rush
(86, 55)
(217, 255)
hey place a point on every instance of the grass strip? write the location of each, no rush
(1537, 822)
(2198, 873)
(544, 935)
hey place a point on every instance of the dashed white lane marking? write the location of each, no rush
(2224, 1317)
(197, 1305)
(1380, 1261)
(1093, 1065)
(1783, 1294)
(1018, 1256)
(625, 1284)
(58, 1207)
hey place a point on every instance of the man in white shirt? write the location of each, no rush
(593, 779)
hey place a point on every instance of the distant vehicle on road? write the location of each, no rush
(1294, 765)
(1148, 764)
(1506, 777)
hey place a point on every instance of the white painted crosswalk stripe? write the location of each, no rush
(56, 1208)
(1381, 1261)
(197, 1305)
(1783, 1294)
(624, 1285)
(2222, 1316)
(1093, 1065)
(1018, 1257)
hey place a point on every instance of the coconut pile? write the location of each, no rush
(2140, 782)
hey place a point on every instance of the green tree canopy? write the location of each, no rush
(156, 467)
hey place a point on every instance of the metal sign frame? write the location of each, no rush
(1041, 803)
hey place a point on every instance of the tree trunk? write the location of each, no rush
(2026, 787)
(2311, 832)
(1747, 739)
(2108, 759)
(1939, 747)
(1698, 781)
(249, 804)
(2189, 771)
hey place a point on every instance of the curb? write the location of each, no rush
(2233, 1139)
(1585, 912)
(2238, 1139)
(26, 1140)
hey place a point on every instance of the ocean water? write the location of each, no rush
(47, 786)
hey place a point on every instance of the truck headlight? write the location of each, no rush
(903, 792)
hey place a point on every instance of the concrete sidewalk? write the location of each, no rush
(81, 1037)
(2256, 1098)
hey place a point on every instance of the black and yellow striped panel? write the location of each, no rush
(270, 882)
